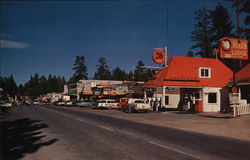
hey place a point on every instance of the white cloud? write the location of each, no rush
(12, 44)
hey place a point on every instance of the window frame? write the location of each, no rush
(204, 69)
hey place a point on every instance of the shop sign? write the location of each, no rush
(87, 92)
(80, 85)
(234, 98)
(233, 48)
(158, 91)
(159, 56)
(169, 90)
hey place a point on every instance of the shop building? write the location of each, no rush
(191, 83)
(243, 81)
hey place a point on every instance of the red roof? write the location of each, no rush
(184, 71)
(243, 76)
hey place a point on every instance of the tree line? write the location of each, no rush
(36, 86)
(104, 73)
(41, 85)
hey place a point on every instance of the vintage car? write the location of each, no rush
(136, 105)
(122, 102)
(106, 103)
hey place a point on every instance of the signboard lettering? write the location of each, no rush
(234, 98)
(232, 48)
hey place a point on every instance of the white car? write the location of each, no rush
(6, 104)
(107, 103)
(136, 105)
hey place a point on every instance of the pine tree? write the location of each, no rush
(140, 74)
(221, 24)
(118, 74)
(80, 70)
(102, 71)
(202, 34)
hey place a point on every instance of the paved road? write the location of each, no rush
(52, 133)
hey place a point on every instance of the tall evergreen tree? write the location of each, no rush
(102, 71)
(80, 70)
(9, 86)
(140, 73)
(221, 24)
(202, 34)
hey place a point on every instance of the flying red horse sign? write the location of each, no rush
(232, 48)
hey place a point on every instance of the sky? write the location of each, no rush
(44, 37)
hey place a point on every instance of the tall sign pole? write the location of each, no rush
(166, 56)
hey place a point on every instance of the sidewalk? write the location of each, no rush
(218, 124)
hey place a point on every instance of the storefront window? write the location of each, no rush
(212, 97)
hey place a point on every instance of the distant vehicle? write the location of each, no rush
(60, 103)
(5, 106)
(136, 105)
(107, 103)
(35, 102)
(68, 103)
(19, 103)
(83, 103)
(93, 104)
(123, 101)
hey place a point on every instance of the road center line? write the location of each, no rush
(173, 149)
(79, 119)
(106, 128)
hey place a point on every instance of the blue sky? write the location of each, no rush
(45, 36)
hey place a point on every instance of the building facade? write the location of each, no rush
(191, 83)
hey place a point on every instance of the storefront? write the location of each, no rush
(243, 81)
(191, 83)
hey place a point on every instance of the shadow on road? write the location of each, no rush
(22, 136)
(218, 116)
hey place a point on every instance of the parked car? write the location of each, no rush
(107, 103)
(122, 102)
(35, 102)
(5, 106)
(68, 103)
(83, 103)
(136, 105)
(93, 104)
(60, 103)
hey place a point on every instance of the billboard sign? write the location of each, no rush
(232, 48)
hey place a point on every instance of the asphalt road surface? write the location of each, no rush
(53, 133)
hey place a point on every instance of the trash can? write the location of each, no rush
(198, 106)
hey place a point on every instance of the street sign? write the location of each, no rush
(232, 48)
(234, 98)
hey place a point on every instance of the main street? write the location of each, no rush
(40, 132)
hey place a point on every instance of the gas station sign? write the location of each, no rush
(159, 56)
(232, 48)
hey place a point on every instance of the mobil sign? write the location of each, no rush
(232, 48)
